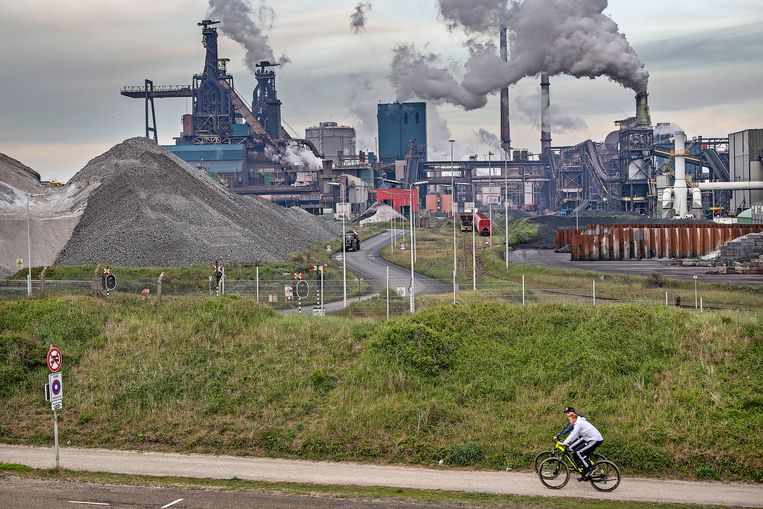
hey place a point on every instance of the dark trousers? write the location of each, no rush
(581, 450)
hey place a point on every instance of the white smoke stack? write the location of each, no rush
(545, 113)
(680, 191)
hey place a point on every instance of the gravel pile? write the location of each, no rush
(379, 213)
(152, 209)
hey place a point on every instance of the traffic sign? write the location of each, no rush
(56, 383)
(53, 359)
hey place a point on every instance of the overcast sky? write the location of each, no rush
(63, 64)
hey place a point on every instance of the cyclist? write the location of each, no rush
(567, 411)
(583, 441)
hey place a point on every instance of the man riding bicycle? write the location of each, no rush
(583, 440)
(568, 427)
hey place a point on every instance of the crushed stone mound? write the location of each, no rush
(150, 208)
(379, 213)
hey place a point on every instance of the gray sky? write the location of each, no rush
(64, 63)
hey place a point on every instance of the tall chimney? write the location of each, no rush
(680, 192)
(545, 113)
(642, 109)
(505, 127)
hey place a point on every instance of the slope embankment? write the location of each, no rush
(676, 394)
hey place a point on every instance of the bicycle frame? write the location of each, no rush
(565, 454)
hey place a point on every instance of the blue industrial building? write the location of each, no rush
(402, 127)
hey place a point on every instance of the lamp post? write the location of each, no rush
(344, 252)
(453, 214)
(506, 205)
(474, 250)
(490, 196)
(29, 246)
(696, 304)
(412, 291)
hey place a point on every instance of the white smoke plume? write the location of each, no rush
(571, 37)
(248, 28)
(294, 155)
(418, 75)
(527, 110)
(362, 106)
(358, 18)
(489, 139)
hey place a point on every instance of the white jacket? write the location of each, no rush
(583, 430)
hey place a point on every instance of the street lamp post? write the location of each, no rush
(453, 215)
(490, 196)
(412, 291)
(344, 252)
(506, 205)
(474, 249)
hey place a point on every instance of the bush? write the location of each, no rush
(469, 453)
(414, 347)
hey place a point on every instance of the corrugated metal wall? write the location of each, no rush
(640, 241)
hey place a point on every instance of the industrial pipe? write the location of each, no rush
(505, 126)
(730, 186)
(696, 202)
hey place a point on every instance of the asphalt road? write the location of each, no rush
(20, 493)
(334, 473)
(549, 258)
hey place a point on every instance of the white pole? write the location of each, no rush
(523, 289)
(701, 308)
(474, 253)
(490, 196)
(257, 285)
(506, 206)
(387, 292)
(321, 269)
(453, 214)
(594, 292)
(55, 434)
(29, 249)
(696, 304)
(391, 235)
(412, 291)
(344, 259)
(666, 297)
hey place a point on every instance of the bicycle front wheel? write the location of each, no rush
(605, 476)
(540, 457)
(553, 473)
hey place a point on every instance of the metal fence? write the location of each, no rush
(371, 299)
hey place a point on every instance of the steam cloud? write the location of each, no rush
(247, 28)
(361, 104)
(528, 108)
(554, 36)
(489, 139)
(295, 155)
(358, 18)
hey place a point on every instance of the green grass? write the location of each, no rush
(675, 393)
(361, 493)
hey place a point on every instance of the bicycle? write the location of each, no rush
(554, 472)
(543, 455)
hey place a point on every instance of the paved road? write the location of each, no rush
(549, 258)
(278, 470)
(20, 493)
(369, 265)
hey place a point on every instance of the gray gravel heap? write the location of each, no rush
(153, 209)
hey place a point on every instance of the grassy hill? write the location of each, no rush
(675, 393)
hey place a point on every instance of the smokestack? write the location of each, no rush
(545, 113)
(505, 127)
(680, 192)
(642, 109)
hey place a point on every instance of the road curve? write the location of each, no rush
(355, 474)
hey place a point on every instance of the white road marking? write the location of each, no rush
(87, 503)
(172, 503)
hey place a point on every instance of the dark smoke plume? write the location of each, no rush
(248, 28)
(358, 18)
(571, 37)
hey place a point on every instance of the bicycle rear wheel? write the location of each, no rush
(605, 476)
(553, 473)
(540, 457)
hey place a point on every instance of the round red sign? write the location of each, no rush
(53, 359)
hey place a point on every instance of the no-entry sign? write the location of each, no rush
(54, 359)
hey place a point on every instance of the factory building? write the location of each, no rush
(332, 141)
(402, 131)
(746, 165)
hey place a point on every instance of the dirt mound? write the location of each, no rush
(152, 209)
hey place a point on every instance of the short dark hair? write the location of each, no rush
(569, 409)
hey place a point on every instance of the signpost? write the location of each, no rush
(54, 360)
